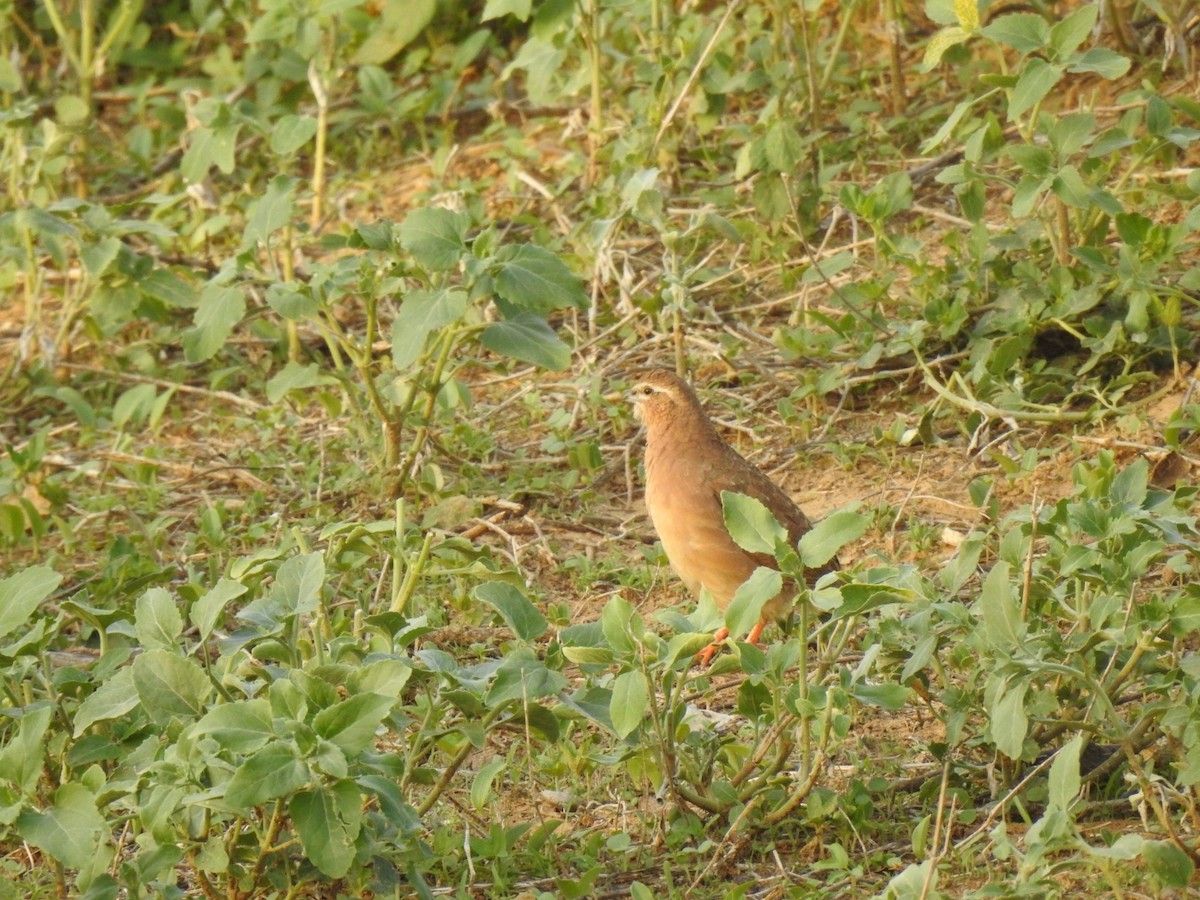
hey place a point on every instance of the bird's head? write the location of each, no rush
(658, 396)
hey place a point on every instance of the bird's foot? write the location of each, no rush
(705, 656)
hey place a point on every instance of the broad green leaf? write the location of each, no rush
(208, 608)
(22, 593)
(751, 524)
(1001, 611)
(783, 147)
(1130, 485)
(1024, 32)
(481, 785)
(745, 609)
(169, 685)
(526, 622)
(1037, 79)
(1102, 61)
(97, 257)
(291, 133)
(535, 280)
(1168, 863)
(242, 726)
(519, 9)
(1067, 34)
(421, 314)
(22, 757)
(219, 311)
(289, 300)
(859, 597)
(274, 771)
(630, 701)
(523, 678)
(1009, 723)
(399, 25)
(616, 620)
(829, 535)
(352, 723)
(115, 698)
(134, 405)
(70, 830)
(208, 147)
(1069, 187)
(297, 377)
(1064, 775)
(297, 587)
(157, 620)
(328, 821)
(887, 696)
(528, 338)
(435, 237)
(270, 212)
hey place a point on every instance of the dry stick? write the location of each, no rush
(1027, 579)
(938, 849)
(160, 382)
(1003, 802)
(693, 75)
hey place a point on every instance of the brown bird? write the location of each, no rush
(688, 465)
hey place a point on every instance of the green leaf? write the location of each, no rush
(1024, 32)
(22, 593)
(481, 785)
(630, 701)
(1068, 186)
(1067, 34)
(524, 678)
(529, 339)
(1001, 611)
(1064, 775)
(328, 821)
(494, 9)
(421, 314)
(1168, 863)
(219, 311)
(70, 830)
(97, 257)
(402, 21)
(291, 133)
(296, 377)
(526, 622)
(242, 726)
(1009, 723)
(157, 620)
(751, 524)
(169, 685)
(435, 237)
(615, 621)
(204, 612)
(829, 535)
(745, 608)
(783, 148)
(208, 147)
(115, 698)
(535, 280)
(298, 582)
(270, 212)
(352, 723)
(23, 754)
(274, 771)
(1101, 61)
(887, 696)
(1037, 79)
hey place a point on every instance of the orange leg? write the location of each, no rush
(756, 632)
(710, 651)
